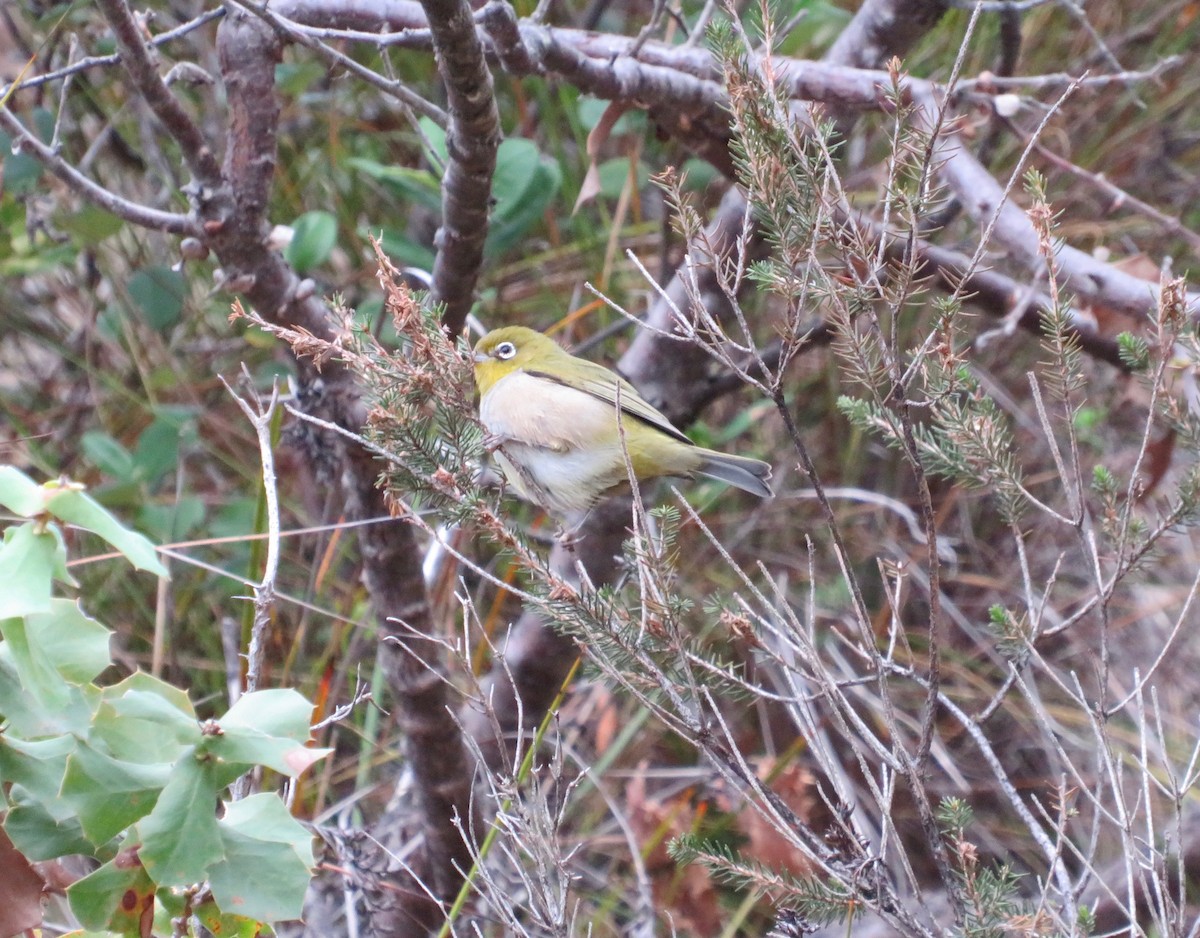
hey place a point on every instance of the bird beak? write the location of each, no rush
(480, 357)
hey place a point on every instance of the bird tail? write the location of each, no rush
(749, 475)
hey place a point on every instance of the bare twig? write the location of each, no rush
(261, 418)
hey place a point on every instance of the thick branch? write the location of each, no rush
(686, 79)
(440, 767)
(471, 140)
(1090, 280)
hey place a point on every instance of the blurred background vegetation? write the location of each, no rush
(110, 348)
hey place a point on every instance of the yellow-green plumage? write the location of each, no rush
(552, 423)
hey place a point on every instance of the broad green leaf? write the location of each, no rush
(230, 925)
(173, 521)
(144, 720)
(115, 896)
(89, 224)
(77, 645)
(108, 455)
(698, 174)
(291, 78)
(614, 176)
(434, 142)
(404, 250)
(20, 172)
(245, 748)
(313, 236)
(29, 559)
(20, 494)
(524, 186)
(37, 765)
(180, 840)
(259, 835)
(419, 186)
(109, 795)
(268, 728)
(27, 719)
(590, 110)
(158, 293)
(39, 678)
(77, 508)
(276, 712)
(41, 836)
(812, 33)
(157, 450)
(148, 684)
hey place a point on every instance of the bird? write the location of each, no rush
(555, 422)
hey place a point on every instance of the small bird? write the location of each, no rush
(552, 423)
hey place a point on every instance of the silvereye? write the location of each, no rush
(552, 423)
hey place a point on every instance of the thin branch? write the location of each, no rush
(132, 212)
(104, 61)
(304, 36)
(136, 59)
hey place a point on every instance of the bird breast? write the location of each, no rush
(559, 447)
(540, 413)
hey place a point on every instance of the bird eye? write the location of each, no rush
(506, 350)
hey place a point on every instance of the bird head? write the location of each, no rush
(513, 348)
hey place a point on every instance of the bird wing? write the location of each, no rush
(602, 384)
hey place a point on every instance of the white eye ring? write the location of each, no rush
(505, 350)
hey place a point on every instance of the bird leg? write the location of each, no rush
(493, 442)
(570, 535)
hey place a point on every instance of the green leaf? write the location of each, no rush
(174, 521)
(158, 292)
(180, 840)
(157, 451)
(38, 834)
(28, 719)
(133, 704)
(614, 176)
(39, 678)
(812, 33)
(418, 186)
(38, 766)
(77, 644)
(88, 224)
(229, 925)
(145, 720)
(244, 748)
(108, 455)
(524, 186)
(434, 142)
(268, 727)
(29, 560)
(590, 110)
(291, 78)
(109, 795)
(115, 896)
(21, 171)
(404, 250)
(698, 174)
(277, 712)
(258, 834)
(313, 236)
(20, 494)
(77, 508)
